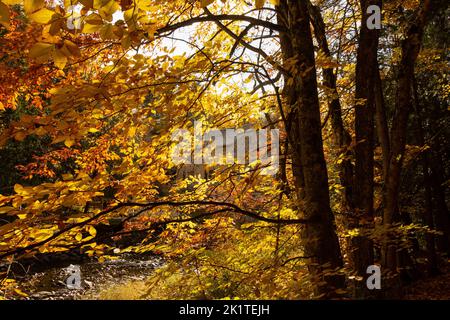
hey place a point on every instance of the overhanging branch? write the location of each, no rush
(151, 205)
(221, 17)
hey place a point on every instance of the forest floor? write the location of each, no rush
(433, 288)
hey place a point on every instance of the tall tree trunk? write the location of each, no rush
(410, 50)
(319, 236)
(291, 98)
(381, 124)
(438, 180)
(442, 214)
(341, 137)
(365, 93)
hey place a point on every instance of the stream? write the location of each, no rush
(94, 278)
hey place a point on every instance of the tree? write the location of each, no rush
(410, 50)
(101, 103)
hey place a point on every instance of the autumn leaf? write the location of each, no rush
(67, 176)
(42, 16)
(205, 3)
(71, 49)
(94, 19)
(12, 2)
(91, 28)
(107, 32)
(88, 116)
(41, 51)
(92, 231)
(259, 3)
(132, 132)
(69, 142)
(31, 6)
(6, 209)
(20, 190)
(59, 59)
(20, 292)
(107, 10)
(20, 136)
(4, 15)
(40, 131)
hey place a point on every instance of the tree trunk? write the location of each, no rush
(381, 124)
(442, 215)
(438, 180)
(410, 50)
(341, 137)
(365, 93)
(291, 98)
(319, 236)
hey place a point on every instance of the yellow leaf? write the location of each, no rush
(69, 142)
(109, 9)
(72, 48)
(59, 59)
(275, 2)
(92, 231)
(22, 216)
(132, 132)
(20, 136)
(41, 51)
(67, 176)
(20, 190)
(97, 4)
(40, 131)
(23, 294)
(91, 28)
(205, 3)
(259, 3)
(4, 15)
(12, 2)
(88, 4)
(94, 19)
(126, 42)
(55, 27)
(33, 5)
(6, 209)
(107, 32)
(143, 4)
(69, 3)
(78, 237)
(42, 16)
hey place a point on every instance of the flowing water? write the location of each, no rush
(95, 278)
